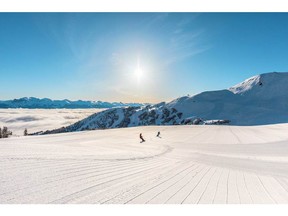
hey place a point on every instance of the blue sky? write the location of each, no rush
(136, 57)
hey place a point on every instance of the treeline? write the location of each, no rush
(4, 132)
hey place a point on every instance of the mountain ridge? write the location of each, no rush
(47, 103)
(261, 99)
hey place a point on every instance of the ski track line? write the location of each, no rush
(173, 175)
(174, 198)
(96, 170)
(275, 189)
(179, 195)
(106, 165)
(25, 176)
(221, 193)
(208, 169)
(257, 191)
(119, 188)
(245, 181)
(115, 167)
(166, 180)
(41, 199)
(198, 189)
(19, 164)
(78, 180)
(282, 184)
(168, 149)
(206, 187)
(141, 186)
(84, 191)
(208, 194)
(8, 162)
(53, 177)
(235, 135)
(158, 198)
(267, 192)
(41, 173)
(129, 169)
(237, 186)
(216, 189)
(187, 181)
(244, 196)
(91, 167)
(56, 168)
(48, 166)
(113, 187)
(233, 194)
(169, 184)
(227, 188)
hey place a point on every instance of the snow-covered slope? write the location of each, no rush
(268, 90)
(262, 99)
(126, 117)
(265, 86)
(46, 103)
(188, 164)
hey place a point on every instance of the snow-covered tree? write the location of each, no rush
(5, 132)
(25, 132)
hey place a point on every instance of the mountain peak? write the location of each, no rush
(246, 85)
(266, 85)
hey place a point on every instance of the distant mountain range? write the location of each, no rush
(46, 103)
(262, 99)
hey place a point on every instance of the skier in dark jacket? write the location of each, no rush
(141, 137)
(158, 134)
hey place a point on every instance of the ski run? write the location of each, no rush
(185, 165)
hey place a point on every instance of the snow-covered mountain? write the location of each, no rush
(126, 117)
(262, 99)
(46, 103)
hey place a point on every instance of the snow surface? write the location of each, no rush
(188, 164)
(41, 119)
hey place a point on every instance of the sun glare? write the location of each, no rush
(138, 72)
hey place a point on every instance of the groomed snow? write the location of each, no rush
(189, 164)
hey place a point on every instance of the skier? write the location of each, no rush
(141, 138)
(158, 134)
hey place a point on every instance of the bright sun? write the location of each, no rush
(138, 72)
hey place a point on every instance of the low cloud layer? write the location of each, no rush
(41, 119)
